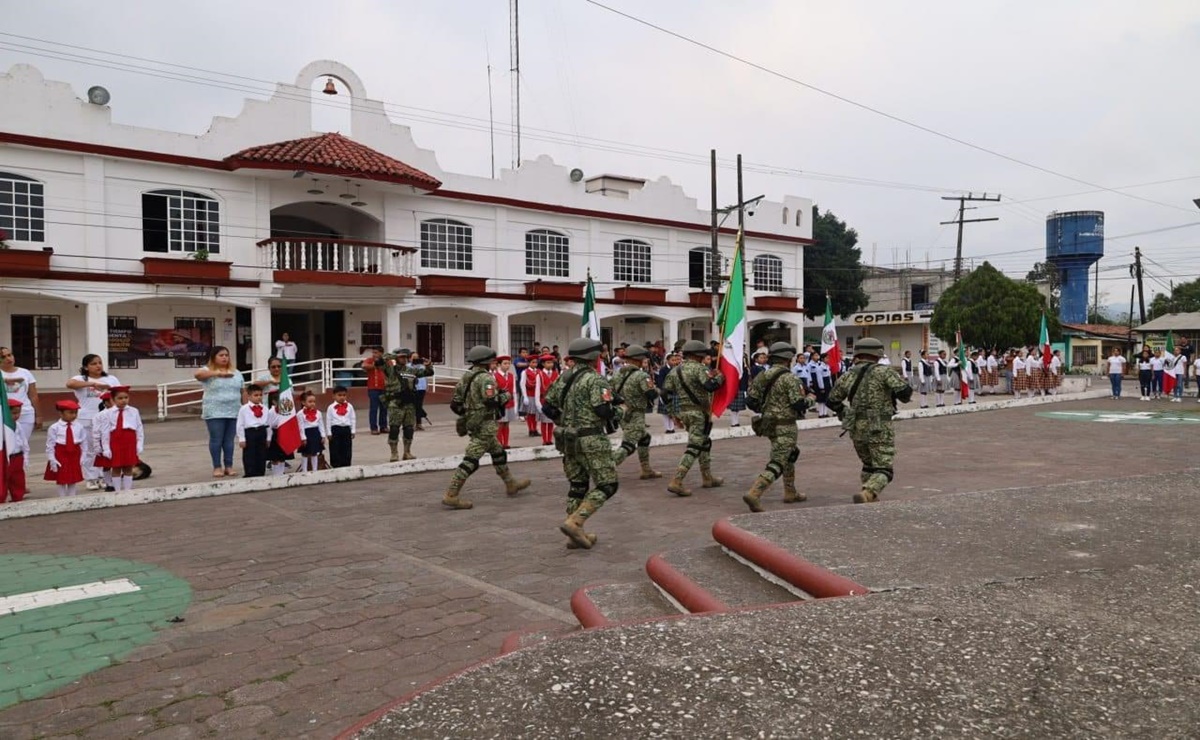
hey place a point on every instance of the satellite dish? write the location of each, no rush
(98, 95)
(576, 175)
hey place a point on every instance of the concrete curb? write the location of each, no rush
(691, 595)
(812, 579)
(89, 501)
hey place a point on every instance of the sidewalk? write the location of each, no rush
(177, 450)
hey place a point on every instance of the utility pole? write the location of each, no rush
(962, 201)
(1136, 269)
(514, 58)
(741, 218)
(714, 267)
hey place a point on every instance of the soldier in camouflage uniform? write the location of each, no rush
(635, 388)
(777, 395)
(865, 400)
(691, 384)
(580, 402)
(400, 394)
(477, 402)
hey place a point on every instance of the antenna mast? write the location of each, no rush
(491, 109)
(514, 54)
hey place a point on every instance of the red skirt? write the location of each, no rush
(14, 483)
(69, 469)
(123, 443)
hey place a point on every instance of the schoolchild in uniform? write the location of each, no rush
(506, 382)
(277, 459)
(14, 487)
(924, 378)
(340, 423)
(906, 369)
(1020, 379)
(668, 406)
(543, 379)
(122, 437)
(254, 433)
(312, 432)
(67, 445)
(941, 377)
(100, 464)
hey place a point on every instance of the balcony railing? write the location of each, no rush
(347, 256)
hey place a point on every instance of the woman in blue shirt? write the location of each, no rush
(223, 385)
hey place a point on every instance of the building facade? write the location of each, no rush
(147, 246)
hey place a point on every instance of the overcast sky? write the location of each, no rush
(1101, 91)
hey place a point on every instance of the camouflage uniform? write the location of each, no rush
(479, 399)
(690, 379)
(583, 401)
(636, 388)
(868, 418)
(780, 408)
(400, 394)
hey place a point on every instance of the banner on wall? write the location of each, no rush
(159, 344)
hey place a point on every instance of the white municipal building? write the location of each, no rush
(340, 239)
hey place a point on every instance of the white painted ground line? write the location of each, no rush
(10, 605)
(85, 502)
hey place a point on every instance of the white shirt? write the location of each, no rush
(57, 435)
(305, 424)
(1055, 365)
(1116, 365)
(906, 367)
(105, 424)
(992, 363)
(286, 350)
(89, 398)
(1156, 363)
(17, 386)
(885, 360)
(334, 419)
(247, 420)
(1018, 365)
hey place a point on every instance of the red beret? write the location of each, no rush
(119, 389)
(547, 358)
(67, 405)
(502, 358)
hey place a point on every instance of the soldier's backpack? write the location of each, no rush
(757, 424)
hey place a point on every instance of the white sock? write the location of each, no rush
(62, 490)
(127, 482)
(71, 490)
(108, 478)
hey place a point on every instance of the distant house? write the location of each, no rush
(1088, 344)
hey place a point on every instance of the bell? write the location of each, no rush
(329, 87)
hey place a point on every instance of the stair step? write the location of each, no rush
(600, 606)
(533, 636)
(709, 579)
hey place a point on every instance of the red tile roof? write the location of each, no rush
(332, 154)
(1114, 331)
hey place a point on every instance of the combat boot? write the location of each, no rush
(573, 545)
(573, 526)
(865, 496)
(676, 485)
(710, 480)
(451, 497)
(648, 472)
(393, 445)
(754, 495)
(790, 494)
(512, 486)
(408, 450)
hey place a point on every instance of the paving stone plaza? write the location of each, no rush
(1033, 572)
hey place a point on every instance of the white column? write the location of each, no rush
(96, 330)
(262, 344)
(672, 334)
(391, 327)
(501, 336)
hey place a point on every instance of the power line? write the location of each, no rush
(871, 109)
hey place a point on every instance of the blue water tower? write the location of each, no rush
(1074, 242)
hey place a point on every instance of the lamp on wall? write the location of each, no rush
(358, 201)
(347, 195)
(315, 189)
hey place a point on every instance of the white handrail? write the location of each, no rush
(181, 396)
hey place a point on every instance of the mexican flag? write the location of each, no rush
(829, 340)
(732, 318)
(964, 369)
(288, 431)
(1169, 374)
(9, 444)
(1044, 343)
(591, 324)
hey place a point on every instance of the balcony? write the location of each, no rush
(545, 290)
(348, 262)
(186, 271)
(630, 294)
(25, 262)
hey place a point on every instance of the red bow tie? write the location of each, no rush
(258, 411)
(310, 414)
(340, 408)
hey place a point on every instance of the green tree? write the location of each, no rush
(1184, 298)
(834, 267)
(992, 310)
(1045, 273)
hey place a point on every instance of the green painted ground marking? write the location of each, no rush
(1172, 418)
(43, 648)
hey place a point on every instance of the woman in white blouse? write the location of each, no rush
(91, 383)
(20, 384)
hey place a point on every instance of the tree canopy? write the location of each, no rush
(992, 310)
(834, 267)
(1185, 298)
(1045, 273)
